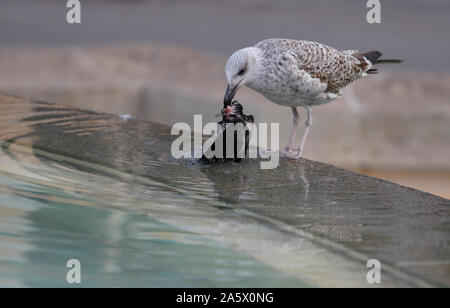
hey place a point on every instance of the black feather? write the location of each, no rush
(389, 61)
(374, 57)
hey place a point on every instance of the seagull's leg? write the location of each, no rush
(308, 124)
(290, 148)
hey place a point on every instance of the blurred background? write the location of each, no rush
(163, 60)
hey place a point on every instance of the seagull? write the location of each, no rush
(297, 73)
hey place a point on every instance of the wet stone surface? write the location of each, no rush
(351, 216)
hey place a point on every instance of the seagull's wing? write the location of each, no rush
(350, 52)
(335, 68)
(299, 80)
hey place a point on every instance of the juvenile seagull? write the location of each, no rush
(297, 73)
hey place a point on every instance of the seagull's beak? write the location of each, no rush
(229, 94)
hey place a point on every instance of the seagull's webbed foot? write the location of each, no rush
(298, 154)
(289, 152)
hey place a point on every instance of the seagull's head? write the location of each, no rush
(241, 69)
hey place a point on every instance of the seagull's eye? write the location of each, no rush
(241, 72)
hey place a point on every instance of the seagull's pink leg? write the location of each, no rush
(308, 124)
(290, 148)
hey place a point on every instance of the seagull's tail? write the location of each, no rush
(374, 58)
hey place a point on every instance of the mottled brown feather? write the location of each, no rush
(335, 68)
